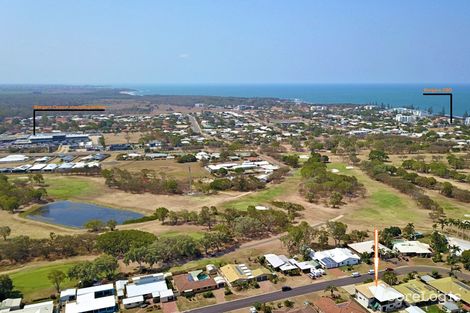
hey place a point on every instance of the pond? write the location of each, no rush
(76, 214)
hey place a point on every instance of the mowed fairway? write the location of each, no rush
(34, 284)
(70, 187)
(383, 205)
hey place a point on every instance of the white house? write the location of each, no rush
(382, 297)
(335, 257)
(279, 262)
(93, 299)
(153, 286)
(366, 247)
(411, 248)
(461, 243)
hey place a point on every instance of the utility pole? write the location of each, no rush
(190, 180)
(376, 256)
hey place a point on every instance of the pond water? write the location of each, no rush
(76, 214)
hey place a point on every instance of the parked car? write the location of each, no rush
(371, 272)
(355, 274)
(286, 288)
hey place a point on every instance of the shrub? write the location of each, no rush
(208, 294)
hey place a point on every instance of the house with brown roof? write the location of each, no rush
(327, 305)
(194, 282)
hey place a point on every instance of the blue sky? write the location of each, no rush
(237, 41)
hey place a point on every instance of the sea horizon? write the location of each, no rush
(389, 94)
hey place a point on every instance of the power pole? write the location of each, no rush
(190, 179)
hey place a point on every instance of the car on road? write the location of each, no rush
(355, 274)
(286, 288)
(371, 272)
(389, 269)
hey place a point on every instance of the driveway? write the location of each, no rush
(169, 307)
(219, 295)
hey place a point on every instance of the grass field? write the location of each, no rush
(68, 187)
(195, 235)
(452, 208)
(382, 205)
(34, 284)
(289, 185)
(167, 167)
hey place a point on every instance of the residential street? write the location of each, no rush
(278, 295)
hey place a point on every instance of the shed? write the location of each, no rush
(211, 269)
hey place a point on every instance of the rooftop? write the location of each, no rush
(366, 246)
(186, 282)
(450, 285)
(412, 247)
(416, 291)
(382, 292)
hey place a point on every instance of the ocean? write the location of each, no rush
(396, 95)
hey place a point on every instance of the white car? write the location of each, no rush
(355, 274)
(371, 272)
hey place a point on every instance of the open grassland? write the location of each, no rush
(452, 208)
(94, 190)
(34, 284)
(171, 168)
(34, 229)
(272, 192)
(121, 138)
(193, 234)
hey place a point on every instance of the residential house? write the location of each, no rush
(335, 257)
(279, 263)
(413, 248)
(194, 282)
(327, 305)
(367, 247)
(93, 299)
(453, 289)
(236, 274)
(41, 307)
(381, 298)
(150, 287)
(416, 292)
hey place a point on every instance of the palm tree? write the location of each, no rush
(454, 249)
(331, 289)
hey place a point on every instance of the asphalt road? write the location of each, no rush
(279, 295)
(194, 124)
